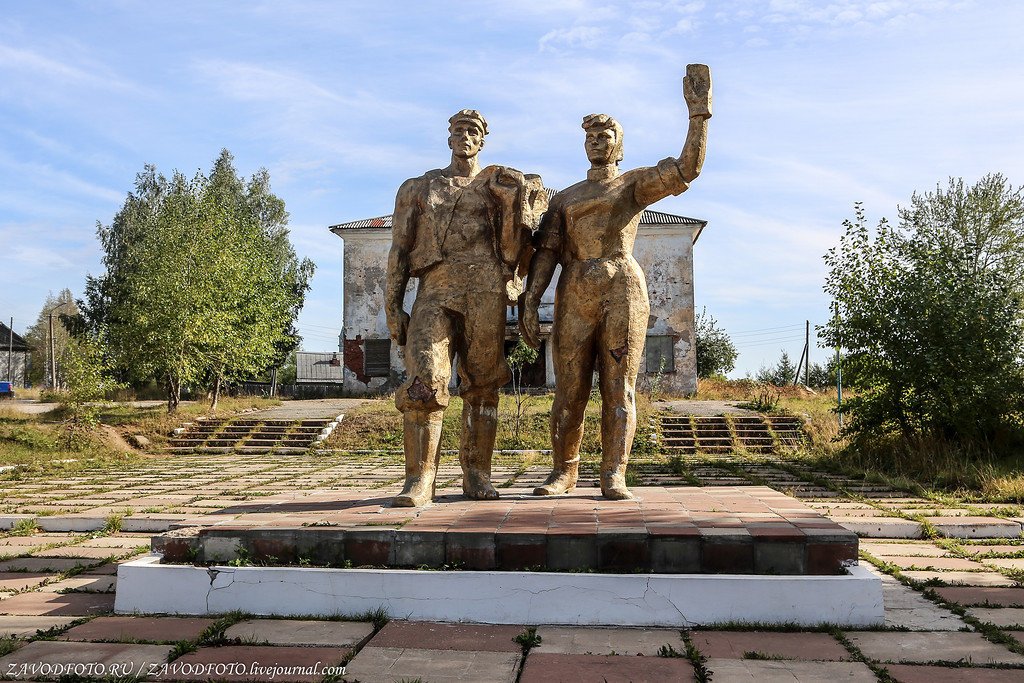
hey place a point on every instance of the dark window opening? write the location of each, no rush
(660, 354)
(377, 357)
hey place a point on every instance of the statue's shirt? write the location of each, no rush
(598, 217)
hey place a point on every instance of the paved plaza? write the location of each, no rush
(954, 607)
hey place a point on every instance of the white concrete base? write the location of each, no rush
(147, 587)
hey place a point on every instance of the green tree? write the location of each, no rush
(521, 355)
(38, 337)
(201, 283)
(716, 354)
(88, 380)
(781, 374)
(930, 315)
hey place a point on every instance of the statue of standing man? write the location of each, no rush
(465, 233)
(601, 304)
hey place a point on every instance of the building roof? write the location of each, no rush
(317, 367)
(6, 341)
(648, 217)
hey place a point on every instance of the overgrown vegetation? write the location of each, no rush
(377, 425)
(929, 317)
(716, 354)
(36, 445)
(520, 356)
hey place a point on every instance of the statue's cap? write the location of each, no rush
(600, 121)
(469, 115)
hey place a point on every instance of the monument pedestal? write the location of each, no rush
(675, 556)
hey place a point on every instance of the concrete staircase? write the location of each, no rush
(727, 434)
(248, 435)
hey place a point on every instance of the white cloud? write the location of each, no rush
(587, 37)
(32, 64)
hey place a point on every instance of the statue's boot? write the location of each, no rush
(476, 446)
(422, 452)
(613, 479)
(561, 480)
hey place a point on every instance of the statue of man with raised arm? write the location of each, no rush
(465, 233)
(601, 303)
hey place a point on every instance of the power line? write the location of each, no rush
(765, 329)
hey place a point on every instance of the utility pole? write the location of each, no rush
(839, 371)
(10, 351)
(53, 359)
(807, 357)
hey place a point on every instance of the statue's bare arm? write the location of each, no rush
(664, 179)
(542, 269)
(403, 236)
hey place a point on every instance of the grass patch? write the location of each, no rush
(377, 425)
(32, 443)
(8, 645)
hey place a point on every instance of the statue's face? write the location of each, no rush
(600, 146)
(466, 139)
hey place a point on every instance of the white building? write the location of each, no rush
(664, 249)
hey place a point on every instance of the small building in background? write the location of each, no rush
(15, 357)
(318, 368)
(372, 364)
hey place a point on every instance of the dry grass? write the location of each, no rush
(33, 443)
(377, 425)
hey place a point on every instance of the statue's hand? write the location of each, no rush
(506, 183)
(529, 326)
(398, 325)
(697, 90)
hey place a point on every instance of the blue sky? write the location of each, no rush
(817, 105)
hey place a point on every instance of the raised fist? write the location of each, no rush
(697, 90)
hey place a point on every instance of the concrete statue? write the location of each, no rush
(601, 302)
(465, 233)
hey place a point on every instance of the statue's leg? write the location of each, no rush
(423, 398)
(483, 370)
(476, 447)
(620, 351)
(572, 340)
(422, 452)
(620, 354)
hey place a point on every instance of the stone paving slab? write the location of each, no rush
(435, 636)
(26, 626)
(254, 663)
(982, 596)
(78, 551)
(19, 581)
(606, 641)
(120, 540)
(1000, 549)
(568, 668)
(84, 583)
(975, 527)
(910, 549)
(962, 578)
(757, 671)
(999, 616)
(43, 564)
(908, 673)
(930, 563)
(907, 608)
(925, 647)
(737, 644)
(388, 664)
(144, 629)
(879, 527)
(51, 659)
(58, 604)
(301, 632)
(1005, 563)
